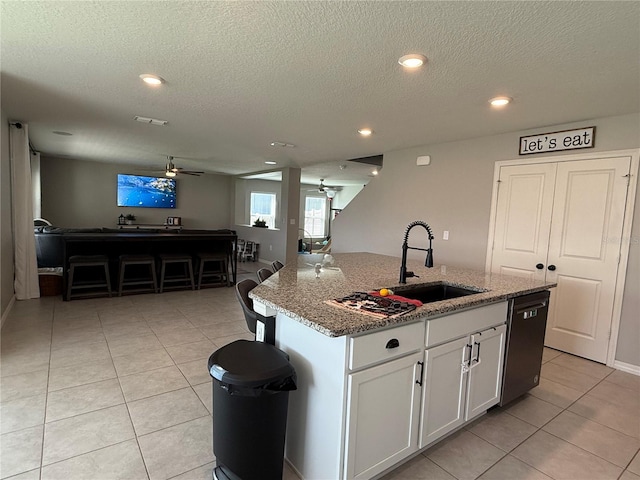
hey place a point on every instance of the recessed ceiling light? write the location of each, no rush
(413, 60)
(65, 134)
(500, 101)
(374, 171)
(152, 79)
(270, 162)
(365, 132)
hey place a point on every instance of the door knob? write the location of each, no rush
(551, 267)
(539, 266)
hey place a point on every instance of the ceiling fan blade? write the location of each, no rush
(194, 174)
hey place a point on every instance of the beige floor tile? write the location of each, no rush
(192, 351)
(24, 385)
(83, 399)
(21, 451)
(634, 466)
(620, 396)
(142, 362)
(602, 441)
(510, 468)
(562, 460)
(165, 410)
(503, 430)
(68, 338)
(205, 472)
(84, 433)
(533, 410)
(22, 413)
(625, 379)
(30, 475)
(418, 468)
(121, 461)
(133, 329)
(464, 455)
(608, 414)
(582, 365)
(164, 453)
(555, 393)
(64, 323)
(76, 375)
(196, 372)
(23, 361)
(205, 393)
(133, 344)
(180, 336)
(79, 353)
(165, 317)
(153, 382)
(123, 316)
(224, 330)
(627, 475)
(568, 378)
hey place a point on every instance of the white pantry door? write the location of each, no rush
(584, 248)
(562, 222)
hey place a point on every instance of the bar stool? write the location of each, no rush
(88, 261)
(219, 269)
(141, 260)
(176, 258)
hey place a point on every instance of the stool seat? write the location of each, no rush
(219, 271)
(145, 283)
(90, 286)
(172, 258)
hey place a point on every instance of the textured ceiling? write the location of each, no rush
(240, 75)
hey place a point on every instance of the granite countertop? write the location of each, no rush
(296, 292)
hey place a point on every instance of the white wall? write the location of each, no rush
(6, 230)
(78, 193)
(454, 194)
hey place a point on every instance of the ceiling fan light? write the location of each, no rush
(170, 173)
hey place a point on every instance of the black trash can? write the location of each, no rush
(251, 388)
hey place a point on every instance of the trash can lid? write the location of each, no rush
(249, 364)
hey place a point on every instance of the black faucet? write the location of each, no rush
(405, 246)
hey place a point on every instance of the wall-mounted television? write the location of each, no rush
(147, 192)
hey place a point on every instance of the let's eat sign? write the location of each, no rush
(558, 141)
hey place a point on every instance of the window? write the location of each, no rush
(315, 215)
(263, 205)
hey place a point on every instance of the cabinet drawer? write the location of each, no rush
(456, 325)
(385, 345)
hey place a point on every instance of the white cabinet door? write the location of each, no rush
(444, 389)
(382, 416)
(485, 371)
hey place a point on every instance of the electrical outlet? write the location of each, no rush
(445, 235)
(259, 331)
(270, 247)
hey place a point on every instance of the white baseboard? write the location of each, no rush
(627, 367)
(5, 314)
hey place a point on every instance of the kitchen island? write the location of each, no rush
(374, 391)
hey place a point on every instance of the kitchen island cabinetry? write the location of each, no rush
(374, 391)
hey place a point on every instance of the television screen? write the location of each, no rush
(149, 192)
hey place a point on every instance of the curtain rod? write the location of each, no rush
(18, 125)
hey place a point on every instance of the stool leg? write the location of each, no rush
(200, 271)
(70, 281)
(121, 270)
(225, 269)
(152, 265)
(107, 277)
(162, 271)
(190, 265)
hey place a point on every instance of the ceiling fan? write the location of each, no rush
(171, 170)
(322, 188)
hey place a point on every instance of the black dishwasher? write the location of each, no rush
(526, 325)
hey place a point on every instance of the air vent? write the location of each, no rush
(152, 121)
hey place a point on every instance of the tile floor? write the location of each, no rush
(118, 389)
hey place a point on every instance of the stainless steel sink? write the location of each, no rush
(434, 292)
